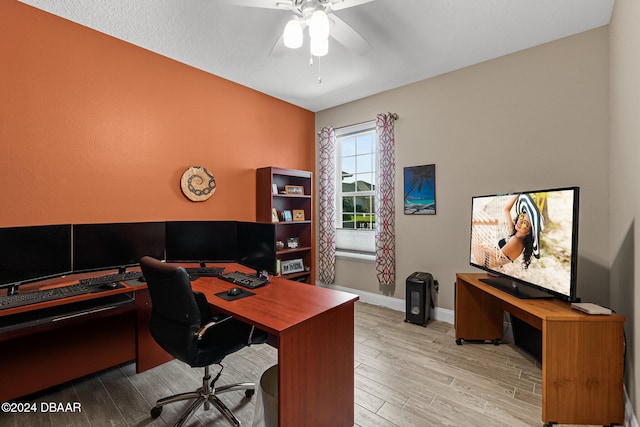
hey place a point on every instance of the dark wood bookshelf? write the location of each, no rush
(268, 199)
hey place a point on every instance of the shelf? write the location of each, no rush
(292, 222)
(292, 251)
(294, 276)
(293, 196)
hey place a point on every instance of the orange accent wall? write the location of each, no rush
(94, 129)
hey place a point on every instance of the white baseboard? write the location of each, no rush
(630, 419)
(441, 314)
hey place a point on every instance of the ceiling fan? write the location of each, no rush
(317, 16)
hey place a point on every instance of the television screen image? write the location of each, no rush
(528, 238)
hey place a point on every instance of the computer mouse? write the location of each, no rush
(110, 285)
(234, 292)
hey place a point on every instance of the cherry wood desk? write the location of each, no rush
(312, 327)
(314, 332)
(582, 355)
(52, 342)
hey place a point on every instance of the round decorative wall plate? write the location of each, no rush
(198, 184)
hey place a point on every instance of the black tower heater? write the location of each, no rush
(418, 299)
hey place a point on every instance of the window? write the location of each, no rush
(356, 175)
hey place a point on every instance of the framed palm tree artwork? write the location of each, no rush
(420, 190)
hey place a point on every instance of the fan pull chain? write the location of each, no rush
(311, 65)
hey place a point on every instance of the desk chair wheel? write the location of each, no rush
(250, 392)
(156, 411)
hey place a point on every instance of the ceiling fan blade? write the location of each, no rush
(264, 4)
(347, 36)
(343, 4)
(278, 49)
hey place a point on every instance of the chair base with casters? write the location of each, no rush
(207, 394)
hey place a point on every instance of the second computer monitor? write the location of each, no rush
(201, 241)
(257, 246)
(103, 246)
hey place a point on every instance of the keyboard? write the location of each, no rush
(110, 278)
(195, 272)
(32, 297)
(243, 279)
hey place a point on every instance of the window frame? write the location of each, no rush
(353, 243)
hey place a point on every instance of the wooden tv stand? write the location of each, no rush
(582, 355)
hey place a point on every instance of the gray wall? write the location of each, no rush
(530, 120)
(625, 180)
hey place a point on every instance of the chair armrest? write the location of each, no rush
(202, 331)
(206, 315)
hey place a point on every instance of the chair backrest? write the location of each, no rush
(175, 316)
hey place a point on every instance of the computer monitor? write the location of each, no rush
(32, 253)
(116, 245)
(201, 241)
(257, 246)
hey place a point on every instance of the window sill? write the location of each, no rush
(356, 256)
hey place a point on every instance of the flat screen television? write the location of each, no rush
(33, 253)
(116, 245)
(257, 246)
(201, 241)
(527, 242)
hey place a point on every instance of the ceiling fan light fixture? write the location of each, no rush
(293, 34)
(319, 46)
(319, 25)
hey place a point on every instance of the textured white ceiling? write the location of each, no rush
(410, 40)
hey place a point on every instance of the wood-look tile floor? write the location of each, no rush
(405, 376)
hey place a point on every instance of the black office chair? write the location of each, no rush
(182, 324)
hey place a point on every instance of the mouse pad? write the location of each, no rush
(134, 283)
(223, 295)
